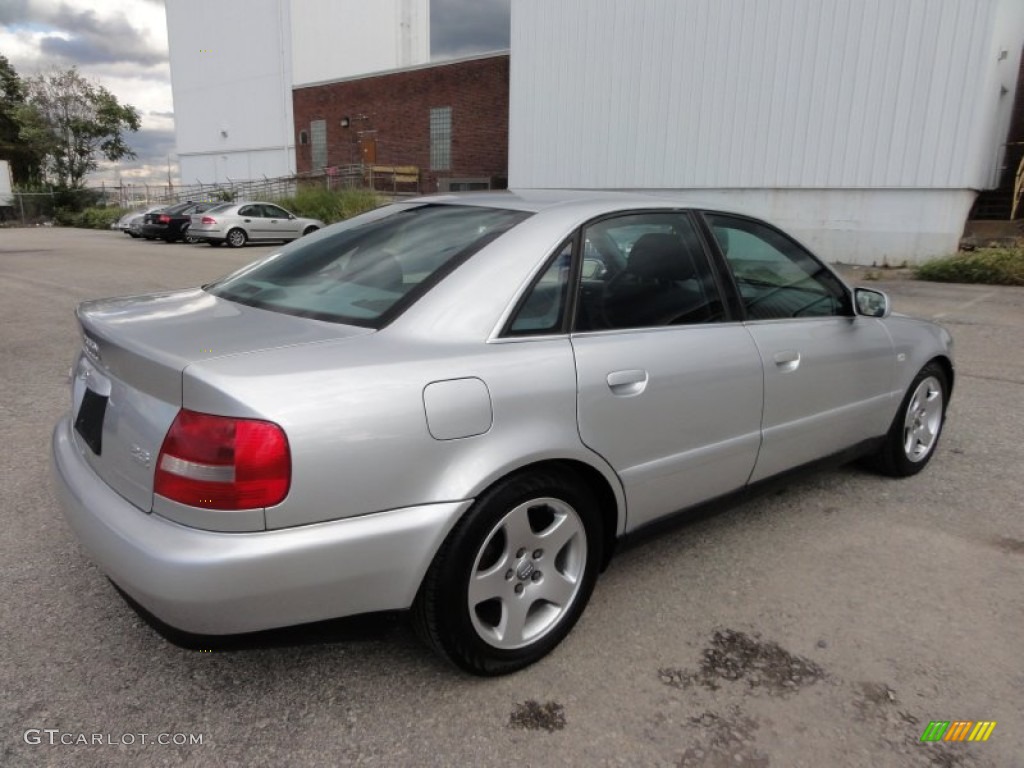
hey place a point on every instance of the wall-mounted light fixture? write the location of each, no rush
(347, 121)
(223, 133)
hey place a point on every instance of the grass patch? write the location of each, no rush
(992, 266)
(330, 205)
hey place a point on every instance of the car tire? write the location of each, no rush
(915, 431)
(503, 545)
(237, 238)
(309, 231)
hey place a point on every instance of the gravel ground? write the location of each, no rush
(824, 624)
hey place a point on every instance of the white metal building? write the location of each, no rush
(234, 63)
(865, 127)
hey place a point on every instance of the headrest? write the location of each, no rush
(660, 256)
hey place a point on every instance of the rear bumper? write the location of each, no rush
(223, 583)
(206, 234)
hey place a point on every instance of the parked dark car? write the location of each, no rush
(171, 223)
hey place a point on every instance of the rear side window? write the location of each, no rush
(645, 270)
(543, 309)
(368, 270)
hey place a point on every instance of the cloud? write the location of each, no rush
(90, 39)
(152, 147)
(58, 34)
(13, 11)
(152, 144)
(463, 27)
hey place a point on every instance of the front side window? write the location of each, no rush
(776, 277)
(369, 269)
(645, 270)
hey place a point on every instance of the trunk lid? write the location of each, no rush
(127, 379)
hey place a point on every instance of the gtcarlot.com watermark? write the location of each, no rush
(57, 737)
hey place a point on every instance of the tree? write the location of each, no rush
(25, 162)
(73, 122)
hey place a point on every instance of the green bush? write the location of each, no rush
(90, 218)
(330, 205)
(994, 266)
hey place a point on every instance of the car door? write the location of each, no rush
(280, 222)
(253, 222)
(669, 385)
(827, 372)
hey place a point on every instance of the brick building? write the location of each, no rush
(448, 120)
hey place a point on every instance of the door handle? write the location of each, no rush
(627, 383)
(787, 360)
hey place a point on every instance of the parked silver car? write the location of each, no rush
(238, 223)
(131, 222)
(459, 404)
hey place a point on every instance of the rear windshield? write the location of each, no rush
(371, 268)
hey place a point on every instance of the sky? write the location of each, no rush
(122, 45)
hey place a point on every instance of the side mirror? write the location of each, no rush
(593, 269)
(871, 303)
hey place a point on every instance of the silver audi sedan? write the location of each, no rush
(239, 223)
(458, 405)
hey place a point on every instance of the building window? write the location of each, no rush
(441, 139)
(318, 134)
(463, 185)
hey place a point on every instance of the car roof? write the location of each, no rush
(598, 201)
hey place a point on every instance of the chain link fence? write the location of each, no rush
(47, 206)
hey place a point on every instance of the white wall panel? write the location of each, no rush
(231, 81)
(343, 38)
(760, 93)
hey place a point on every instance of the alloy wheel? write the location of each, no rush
(527, 573)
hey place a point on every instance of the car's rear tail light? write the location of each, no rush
(208, 220)
(223, 463)
(163, 218)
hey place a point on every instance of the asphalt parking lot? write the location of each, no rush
(825, 624)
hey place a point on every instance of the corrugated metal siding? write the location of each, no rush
(753, 93)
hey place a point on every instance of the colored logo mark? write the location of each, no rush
(958, 730)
